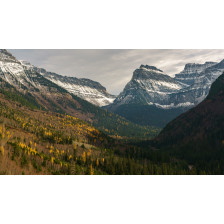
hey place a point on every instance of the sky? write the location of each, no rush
(114, 68)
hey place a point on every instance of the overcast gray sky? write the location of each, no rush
(114, 68)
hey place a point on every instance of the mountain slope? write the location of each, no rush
(86, 89)
(31, 86)
(148, 114)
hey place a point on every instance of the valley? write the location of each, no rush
(55, 124)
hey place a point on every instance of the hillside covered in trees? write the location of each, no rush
(36, 141)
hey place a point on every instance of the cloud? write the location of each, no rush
(114, 68)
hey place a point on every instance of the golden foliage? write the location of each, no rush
(4, 137)
(84, 157)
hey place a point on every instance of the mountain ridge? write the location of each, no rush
(86, 89)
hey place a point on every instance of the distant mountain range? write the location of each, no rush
(151, 98)
(154, 98)
(38, 89)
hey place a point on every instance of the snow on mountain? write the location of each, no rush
(191, 72)
(148, 86)
(200, 77)
(86, 89)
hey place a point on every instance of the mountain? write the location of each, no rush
(27, 86)
(148, 86)
(86, 89)
(154, 98)
(197, 135)
(191, 72)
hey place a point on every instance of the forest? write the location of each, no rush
(40, 142)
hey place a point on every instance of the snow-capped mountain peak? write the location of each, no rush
(11, 70)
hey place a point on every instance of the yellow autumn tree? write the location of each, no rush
(52, 160)
(84, 157)
(2, 150)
